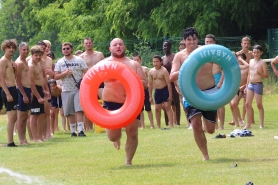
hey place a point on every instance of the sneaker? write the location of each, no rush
(275, 137)
(81, 134)
(73, 134)
(11, 145)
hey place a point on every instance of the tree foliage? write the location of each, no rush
(73, 20)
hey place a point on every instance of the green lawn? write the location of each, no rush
(163, 157)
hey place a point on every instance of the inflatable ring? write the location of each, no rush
(134, 95)
(188, 72)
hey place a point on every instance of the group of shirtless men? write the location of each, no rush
(35, 71)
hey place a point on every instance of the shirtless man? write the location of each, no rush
(218, 74)
(8, 70)
(257, 71)
(160, 81)
(136, 57)
(115, 99)
(167, 63)
(244, 68)
(23, 83)
(91, 58)
(205, 80)
(39, 91)
(49, 74)
(245, 45)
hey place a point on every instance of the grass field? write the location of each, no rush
(162, 157)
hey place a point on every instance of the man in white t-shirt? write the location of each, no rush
(70, 70)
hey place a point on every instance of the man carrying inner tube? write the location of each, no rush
(114, 96)
(205, 81)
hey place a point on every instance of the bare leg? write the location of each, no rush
(63, 119)
(150, 115)
(21, 126)
(260, 108)
(250, 96)
(10, 125)
(131, 141)
(158, 114)
(52, 119)
(87, 123)
(199, 134)
(56, 126)
(46, 130)
(33, 127)
(169, 113)
(142, 120)
(115, 136)
(221, 116)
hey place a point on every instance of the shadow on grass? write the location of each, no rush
(230, 160)
(138, 166)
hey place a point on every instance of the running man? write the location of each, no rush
(115, 99)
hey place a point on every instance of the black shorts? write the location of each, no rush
(21, 105)
(10, 105)
(115, 106)
(147, 102)
(56, 101)
(36, 107)
(208, 115)
(1, 100)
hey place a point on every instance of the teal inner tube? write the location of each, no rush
(188, 72)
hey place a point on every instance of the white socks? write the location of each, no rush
(80, 126)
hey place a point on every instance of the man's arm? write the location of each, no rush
(273, 65)
(19, 83)
(150, 86)
(168, 82)
(3, 66)
(264, 74)
(176, 65)
(141, 74)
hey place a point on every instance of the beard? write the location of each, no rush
(118, 56)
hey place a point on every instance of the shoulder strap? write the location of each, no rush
(68, 68)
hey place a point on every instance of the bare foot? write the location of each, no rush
(261, 127)
(247, 127)
(206, 158)
(117, 144)
(231, 123)
(24, 143)
(128, 163)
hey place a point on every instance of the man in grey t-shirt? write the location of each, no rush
(70, 70)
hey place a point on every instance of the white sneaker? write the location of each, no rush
(275, 137)
(190, 127)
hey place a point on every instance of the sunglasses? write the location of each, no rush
(66, 48)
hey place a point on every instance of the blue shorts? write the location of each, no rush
(161, 95)
(147, 102)
(114, 106)
(257, 87)
(56, 101)
(192, 111)
(21, 105)
(217, 77)
(36, 107)
(10, 105)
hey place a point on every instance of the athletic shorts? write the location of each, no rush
(192, 111)
(10, 105)
(114, 106)
(147, 103)
(1, 100)
(217, 77)
(21, 105)
(36, 107)
(161, 95)
(71, 102)
(256, 87)
(56, 101)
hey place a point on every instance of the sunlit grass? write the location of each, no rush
(162, 157)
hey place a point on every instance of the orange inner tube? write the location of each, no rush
(134, 95)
